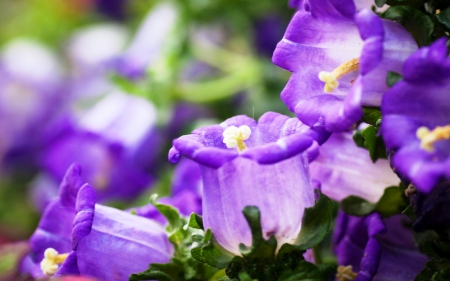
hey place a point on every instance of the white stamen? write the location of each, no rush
(234, 137)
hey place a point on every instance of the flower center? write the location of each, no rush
(345, 273)
(428, 138)
(51, 261)
(234, 137)
(331, 78)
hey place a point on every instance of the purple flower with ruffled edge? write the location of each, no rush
(270, 168)
(110, 143)
(343, 169)
(416, 119)
(358, 48)
(376, 248)
(78, 237)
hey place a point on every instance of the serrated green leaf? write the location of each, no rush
(357, 206)
(195, 221)
(444, 17)
(210, 252)
(417, 23)
(260, 248)
(392, 202)
(316, 223)
(392, 78)
(371, 115)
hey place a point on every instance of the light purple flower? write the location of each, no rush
(329, 35)
(344, 169)
(377, 249)
(413, 110)
(101, 242)
(272, 169)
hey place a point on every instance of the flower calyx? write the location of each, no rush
(52, 260)
(428, 138)
(345, 273)
(331, 78)
(234, 137)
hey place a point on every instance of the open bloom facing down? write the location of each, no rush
(344, 169)
(78, 237)
(270, 173)
(416, 118)
(377, 249)
(339, 61)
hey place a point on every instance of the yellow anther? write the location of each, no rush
(331, 78)
(234, 137)
(51, 261)
(428, 138)
(438, 12)
(345, 273)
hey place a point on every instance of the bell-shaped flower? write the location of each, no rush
(372, 248)
(266, 167)
(343, 169)
(416, 119)
(339, 61)
(78, 237)
(111, 142)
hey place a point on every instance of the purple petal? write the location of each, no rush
(85, 207)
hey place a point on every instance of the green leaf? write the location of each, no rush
(163, 272)
(444, 17)
(260, 248)
(195, 221)
(371, 115)
(392, 202)
(417, 23)
(392, 78)
(443, 275)
(170, 213)
(316, 223)
(357, 206)
(305, 271)
(432, 267)
(374, 143)
(243, 276)
(210, 252)
(358, 138)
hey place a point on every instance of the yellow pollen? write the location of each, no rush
(345, 273)
(234, 137)
(51, 261)
(331, 78)
(428, 138)
(438, 12)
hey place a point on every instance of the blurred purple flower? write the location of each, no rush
(268, 32)
(232, 180)
(377, 249)
(359, 49)
(343, 169)
(101, 242)
(416, 119)
(114, 9)
(108, 143)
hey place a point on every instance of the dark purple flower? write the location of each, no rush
(344, 169)
(377, 249)
(78, 237)
(268, 32)
(108, 143)
(416, 119)
(271, 155)
(115, 9)
(358, 49)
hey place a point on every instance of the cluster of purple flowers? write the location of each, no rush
(340, 55)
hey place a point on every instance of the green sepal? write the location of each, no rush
(306, 271)
(444, 17)
(391, 203)
(371, 115)
(434, 270)
(374, 143)
(260, 248)
(210, 252)
(417, 23)
(392, 78)
(316, 223)
(195, 221)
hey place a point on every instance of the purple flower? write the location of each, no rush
(270, 168)
(344, 169)
(78, 237)
(357, 49)
(108, 142)
(375, 248)
(416, 119)
(115, 9)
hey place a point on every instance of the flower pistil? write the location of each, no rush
(345, 273)
(428, 138)
(234, 137)
(51, 261)
(331, 78)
